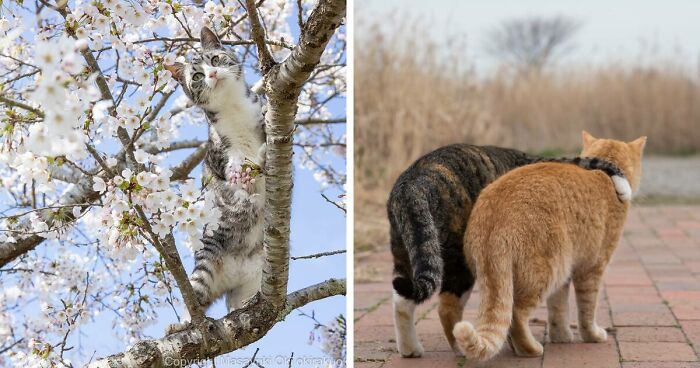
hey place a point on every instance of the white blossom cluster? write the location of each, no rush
(332, 339)
(88, 111)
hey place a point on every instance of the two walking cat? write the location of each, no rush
(533, 229)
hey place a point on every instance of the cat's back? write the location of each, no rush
(551, 182)
(461, 165)
(546, 194)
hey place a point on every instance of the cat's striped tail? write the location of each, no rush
(622, 185)
(495, 311)
(419, 237)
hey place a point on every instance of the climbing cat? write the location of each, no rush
(230, 261)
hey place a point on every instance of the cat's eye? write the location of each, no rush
(197, 77)
(214, 60)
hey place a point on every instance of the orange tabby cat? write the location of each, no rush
(530, 234)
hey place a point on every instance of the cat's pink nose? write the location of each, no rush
(212, 74)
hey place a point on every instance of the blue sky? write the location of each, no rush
(618, 30)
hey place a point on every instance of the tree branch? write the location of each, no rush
(84, 194)
(225, 42)
(189, 143)
(23, 106)
(319, 255)
(237, 329)
(168, 251)
(310, 121)
(283, 86)
(258, 34)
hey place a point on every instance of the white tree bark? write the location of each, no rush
(283, 85)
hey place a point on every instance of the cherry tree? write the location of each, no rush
(100, 184)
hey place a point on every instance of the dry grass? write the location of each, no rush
(412, 96)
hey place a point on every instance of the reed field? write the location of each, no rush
(413, 95)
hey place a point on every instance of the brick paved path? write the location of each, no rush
(650, 305)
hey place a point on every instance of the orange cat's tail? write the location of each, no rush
(495, 312)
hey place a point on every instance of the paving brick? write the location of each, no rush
(649, 334)
(434, 341)
(681, 295)
(686, 311)
(657, 351)
(644, 318)
(381, 316)
(507, 362)
(580, 355)
(429, 360)
(660, 365)
(651, 289)
(641, 314)
(365, 300)
(357, 364)
(372, 350)
(692, 331)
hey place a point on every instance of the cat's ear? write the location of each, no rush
(588, 139)
(638, 144)
(177, 70)
(209, 39)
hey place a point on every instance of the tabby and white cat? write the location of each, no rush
(230, 262)
(534, 231)
(428, 211)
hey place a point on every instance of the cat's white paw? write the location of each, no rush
(594, 334)
(623, 188)
(410, 349)
(560, 335)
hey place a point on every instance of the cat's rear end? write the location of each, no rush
(427, 210)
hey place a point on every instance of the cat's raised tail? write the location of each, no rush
(495, 310)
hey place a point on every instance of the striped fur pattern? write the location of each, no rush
(534, 231)
(230, 261)
(428, 210)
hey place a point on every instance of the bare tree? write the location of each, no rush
(530, 43)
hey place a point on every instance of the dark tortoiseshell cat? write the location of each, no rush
(428, 211)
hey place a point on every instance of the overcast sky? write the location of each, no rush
(612, 29)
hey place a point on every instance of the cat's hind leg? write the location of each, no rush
(404, 304)
(520, 337)
(558, 315)
(450, 311)
(237, 297)
(587, 284)
(404, 322)
(457, 284)
(206, 280)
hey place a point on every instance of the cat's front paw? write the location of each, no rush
(559, 335)
(526, 348)
(410, 349)
(594, 334)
